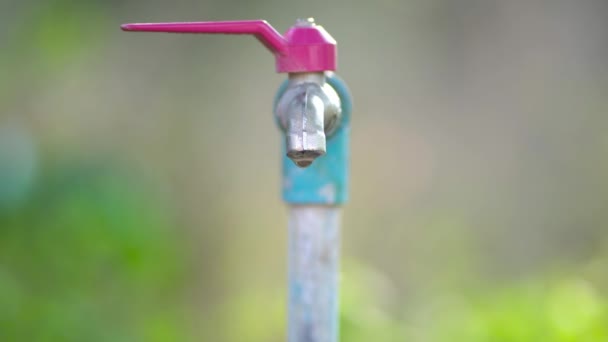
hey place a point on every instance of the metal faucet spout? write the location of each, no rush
(309, 112)
(305, 134)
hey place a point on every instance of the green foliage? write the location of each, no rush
(256, 315)
(47, 38)
(90, 257)
(566, 309)
(362, 316)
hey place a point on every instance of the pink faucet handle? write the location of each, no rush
(306, 47)
(261, 29)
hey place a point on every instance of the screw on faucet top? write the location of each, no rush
(305, 22)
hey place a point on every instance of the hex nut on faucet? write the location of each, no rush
(309, 113)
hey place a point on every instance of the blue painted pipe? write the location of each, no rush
(325, 182)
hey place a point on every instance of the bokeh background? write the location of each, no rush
(139, 173)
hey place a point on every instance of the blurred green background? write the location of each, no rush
(130, 212)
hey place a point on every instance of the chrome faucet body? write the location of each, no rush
(308, 112)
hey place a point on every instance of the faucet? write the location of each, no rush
(309, 112)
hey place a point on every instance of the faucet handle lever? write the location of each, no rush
(261, 29)
(305, 47)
